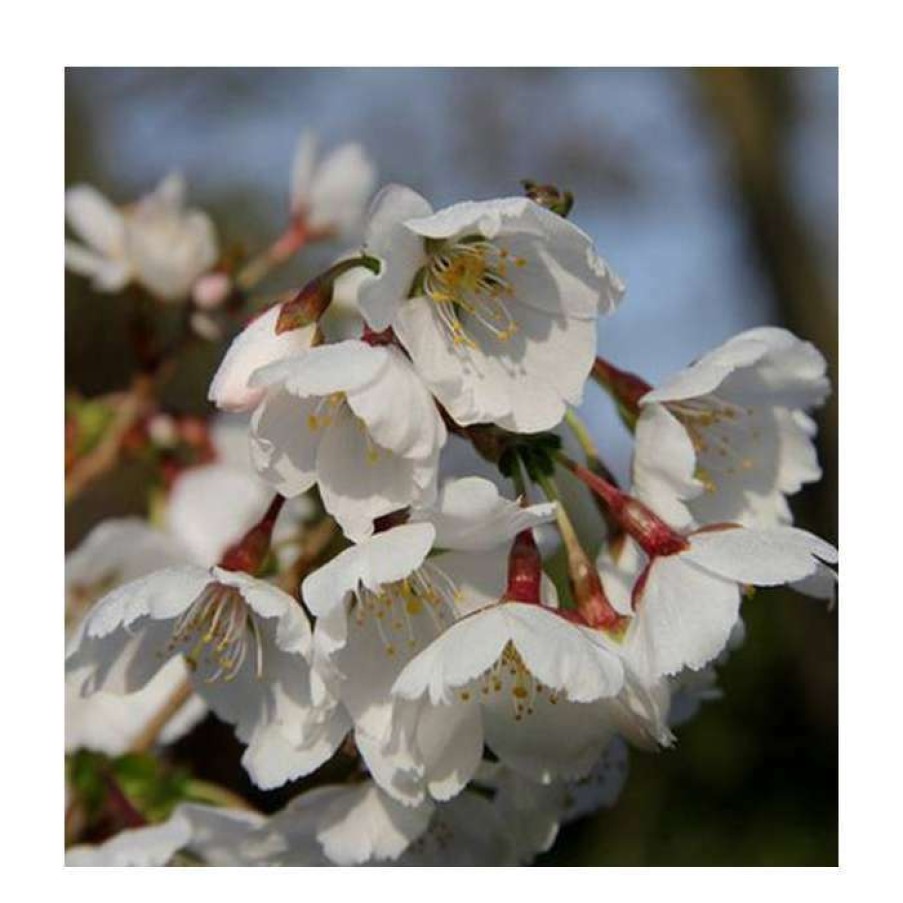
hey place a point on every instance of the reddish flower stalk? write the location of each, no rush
(250, 552)
(593, 606)
(654, 536)
(295, 237)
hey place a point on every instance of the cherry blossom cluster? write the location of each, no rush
(328, 582)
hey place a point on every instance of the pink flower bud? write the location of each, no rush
(211, 290)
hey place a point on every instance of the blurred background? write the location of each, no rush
(713, 193)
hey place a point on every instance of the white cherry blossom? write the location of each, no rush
(730, 437)
(247, 645)
(355, 420)
(116, 551)
(495, 301)
(157, 242)
(208, 508)
(525, 681)
(544, 693)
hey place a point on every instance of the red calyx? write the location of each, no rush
(524, 570)
(386, 337)
(250, 552)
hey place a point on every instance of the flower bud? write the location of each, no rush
(626, 388)
(550, 197)
(314, 299)
(211, 290)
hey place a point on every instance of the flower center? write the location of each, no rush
(510, 675)
(325, 414)
(216, 633)
(325, 411)
(723, 434)
(424, 598)
(468, 282)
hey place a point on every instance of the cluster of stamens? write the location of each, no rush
(701, 419)
(468, 281)
(510, 674)
(216, 632)
(324, 413)
(427, 591)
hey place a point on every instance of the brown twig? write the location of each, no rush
(146, 739)
(129, 410)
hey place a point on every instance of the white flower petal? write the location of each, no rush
(283, 447)
(563, 656)
(147, 846)
(383, 558)
(684, 618)
(95, 220)
(255, 347)
(213, 506)
(554, 741)
(399, 251)
(763, 557)
(341, 186)
(471, 515)
(450, 739)
(399, 411)
(457, 657)
(325, 369)
(161, 595)
(110, 723)
(358, 480)
(107, 275)
(362, 823)
(664, 463)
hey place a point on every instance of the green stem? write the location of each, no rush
(549, 487)
(517, 477)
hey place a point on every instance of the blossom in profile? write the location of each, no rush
(495, 301)
(687, 603)
(156, 242)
